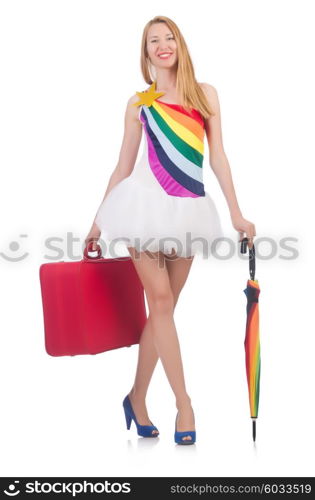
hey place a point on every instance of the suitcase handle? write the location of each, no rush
(99, 258)
(88, 249)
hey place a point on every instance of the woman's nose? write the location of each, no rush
(163, 47)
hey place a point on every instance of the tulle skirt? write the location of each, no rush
(139, 213)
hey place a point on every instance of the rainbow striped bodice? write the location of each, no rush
(175, 147)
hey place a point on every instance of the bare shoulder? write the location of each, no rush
(209, 89)
(133, 99)
(131, 109)
(212, 95)
(213, 122)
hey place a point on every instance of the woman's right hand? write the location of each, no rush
(93, 235)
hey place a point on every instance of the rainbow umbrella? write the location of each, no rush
(252, 341)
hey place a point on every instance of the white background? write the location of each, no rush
(68, 69)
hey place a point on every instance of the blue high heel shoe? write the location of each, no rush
(178, 435)
(143, 430)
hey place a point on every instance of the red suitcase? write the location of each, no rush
(91, 306)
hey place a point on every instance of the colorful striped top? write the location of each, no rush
(175, 147)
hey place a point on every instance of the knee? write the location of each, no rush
(161, 302)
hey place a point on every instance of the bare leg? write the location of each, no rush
(166, 285)
(147, 359)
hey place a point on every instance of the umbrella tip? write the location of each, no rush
(254, 429)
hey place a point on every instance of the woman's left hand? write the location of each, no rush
(244, 226)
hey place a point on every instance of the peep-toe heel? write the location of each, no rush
(142, 430)
(179, 435)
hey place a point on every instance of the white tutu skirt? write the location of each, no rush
(139, 213)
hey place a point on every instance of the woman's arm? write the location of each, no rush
(220, 165)
(130, 145)
(127, 157)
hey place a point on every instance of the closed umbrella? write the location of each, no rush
(252, 339)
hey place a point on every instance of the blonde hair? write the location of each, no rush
(189, 91)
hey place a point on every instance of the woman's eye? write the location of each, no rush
(171, 38)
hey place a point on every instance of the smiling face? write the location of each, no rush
(161, 46)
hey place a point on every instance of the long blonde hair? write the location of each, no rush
(189, 91)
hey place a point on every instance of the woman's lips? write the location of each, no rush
(165, 56)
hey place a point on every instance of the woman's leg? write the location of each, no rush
(178, 271)
(162, 287)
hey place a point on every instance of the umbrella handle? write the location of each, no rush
(252, 262)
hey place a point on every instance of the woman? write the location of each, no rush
(154, 205)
